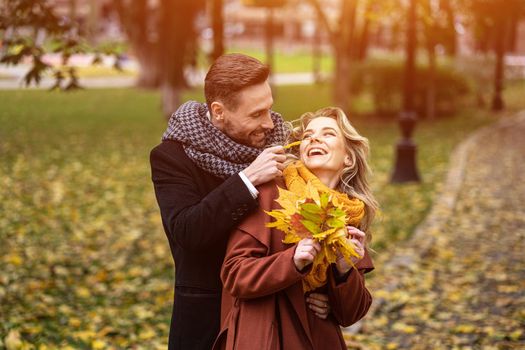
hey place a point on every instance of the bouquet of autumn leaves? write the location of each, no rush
(310, 209)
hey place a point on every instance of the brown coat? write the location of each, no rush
(263, 304)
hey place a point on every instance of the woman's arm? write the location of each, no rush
(349, 299)
(248, 272)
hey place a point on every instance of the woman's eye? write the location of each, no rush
(306, 137)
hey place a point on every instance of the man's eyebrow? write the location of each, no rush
(260, 110)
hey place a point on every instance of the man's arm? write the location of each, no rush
(193, 221)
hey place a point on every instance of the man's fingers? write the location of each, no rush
(274, 149)
(280, 166)
(322, 316)
(318, 299)
(318, 310)
(318, 303)
(279, 157)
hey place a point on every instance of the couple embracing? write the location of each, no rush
(221, 172)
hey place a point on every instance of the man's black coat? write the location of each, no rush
(198, 212)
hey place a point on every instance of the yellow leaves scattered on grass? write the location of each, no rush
(464, 328)
(404, 328)
(82, 249)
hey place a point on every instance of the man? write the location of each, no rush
(205, 174)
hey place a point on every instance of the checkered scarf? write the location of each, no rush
(208, 147)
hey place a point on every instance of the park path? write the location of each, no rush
(467, 289)
(14, 79)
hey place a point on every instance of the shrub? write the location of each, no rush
(384, 81)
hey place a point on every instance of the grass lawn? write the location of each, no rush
(290, 62)
(85, 263)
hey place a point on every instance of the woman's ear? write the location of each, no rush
(348, 161)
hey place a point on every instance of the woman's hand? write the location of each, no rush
(357, 238)
(305, 253)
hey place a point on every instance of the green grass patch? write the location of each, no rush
(285, 61)
(85, 263)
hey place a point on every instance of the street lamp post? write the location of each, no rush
(497, 99)
(405, 169)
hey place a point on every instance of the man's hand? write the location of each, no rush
(305, 253)
(318, 303)
(267, 166)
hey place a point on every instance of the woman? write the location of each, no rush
(263, 303)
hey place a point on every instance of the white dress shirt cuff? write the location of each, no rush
(248, 183)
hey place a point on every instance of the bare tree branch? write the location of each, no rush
(324, 20)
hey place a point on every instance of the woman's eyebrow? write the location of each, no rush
(323, 129)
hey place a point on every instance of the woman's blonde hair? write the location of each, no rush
(354, 178)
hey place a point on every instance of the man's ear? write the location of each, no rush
(217, 111)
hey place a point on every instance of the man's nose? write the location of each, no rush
(267, 122)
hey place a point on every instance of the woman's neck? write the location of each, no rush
(329, 178)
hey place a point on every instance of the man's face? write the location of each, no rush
(250, 122)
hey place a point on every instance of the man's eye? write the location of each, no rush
(306, 137)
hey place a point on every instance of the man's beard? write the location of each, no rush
(246, 141)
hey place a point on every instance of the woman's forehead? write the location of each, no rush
(319, 123)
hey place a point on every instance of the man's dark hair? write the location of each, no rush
(231, 73)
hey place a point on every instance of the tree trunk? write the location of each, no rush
(73, 10)
(316, 55)
(269, 36)
(513, 32)
(430, 31)
(342, 79)
(218, 29)
(431, 90)
(171, 99)
(364, 40)
(177, 37)
(342, 42)
(345, 48)
(137, 19)
(149, 72)
(451, 26)
(410, 65)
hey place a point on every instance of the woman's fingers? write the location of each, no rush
(356, 233)
(305, 252)
(358, 246)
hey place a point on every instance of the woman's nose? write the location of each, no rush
(314, 139)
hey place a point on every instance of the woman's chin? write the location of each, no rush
(314, 164)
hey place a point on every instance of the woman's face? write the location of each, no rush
(322, 149)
